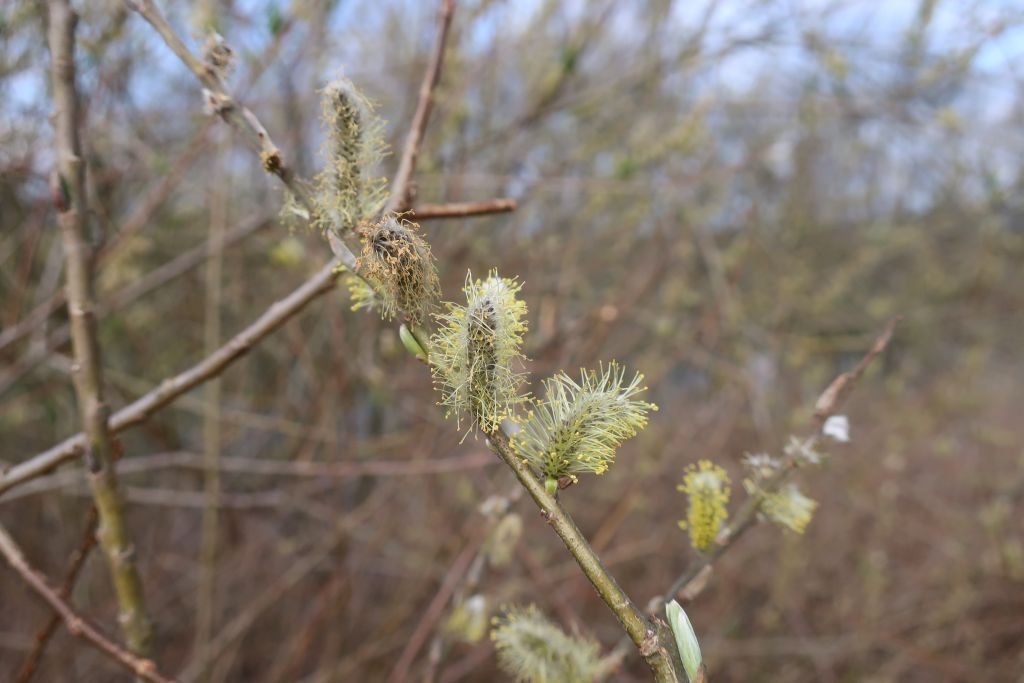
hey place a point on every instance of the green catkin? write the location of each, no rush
(532, 649)
(579, 426)
(347, 193)
(474, 349)
(396, 260)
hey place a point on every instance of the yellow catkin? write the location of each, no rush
(707, 488)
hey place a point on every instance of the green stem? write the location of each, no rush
(653, 638)
(69, 197)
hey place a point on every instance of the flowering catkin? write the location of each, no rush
(531, 649)
(579, 426)
(788, 507)
(347, 192)
(706, 486)
(474, 349)
(397, 261)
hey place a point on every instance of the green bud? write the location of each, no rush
(686, 639)
(551, 485)
(412, 345)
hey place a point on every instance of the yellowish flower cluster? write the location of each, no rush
(707, 488)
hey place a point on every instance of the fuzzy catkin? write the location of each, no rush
(397, 261)
(474, 349)
(347, 192)
(706, 486)
(532, 649)
(579, 426)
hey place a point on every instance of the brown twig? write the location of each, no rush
(401, 188)
(153, 199)
(75, 565)
(427, 212)
(138, 219)
(77, 626)
(69, 197)
(255, 607)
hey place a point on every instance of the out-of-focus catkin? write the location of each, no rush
(347, 192)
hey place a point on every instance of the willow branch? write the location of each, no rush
(653, 638)
(76, 625)
(69, 197)
(827, 405)
(427, 212)
(237, 115)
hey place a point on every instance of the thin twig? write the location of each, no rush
(206, 590)
(153, 199)
(138, 219)
(75, 564)
(239, 117)
(321, 283)
(69, 196)
(77, 626)
(266, 467)
(236, 627)
(427, 212)
(435, 610)
(401, 188)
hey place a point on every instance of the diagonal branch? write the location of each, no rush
(76, 625)
(238, 116)
(426, 212)
(75, 565)
(652, 638)
(168, 390)
(69, 197)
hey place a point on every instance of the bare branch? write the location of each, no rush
(43, 636)
(427, 212)
(401, 188)
(76, 625)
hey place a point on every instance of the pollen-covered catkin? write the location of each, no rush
(347, 192)
(397, 261)
(578, 427)
(473, 352)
